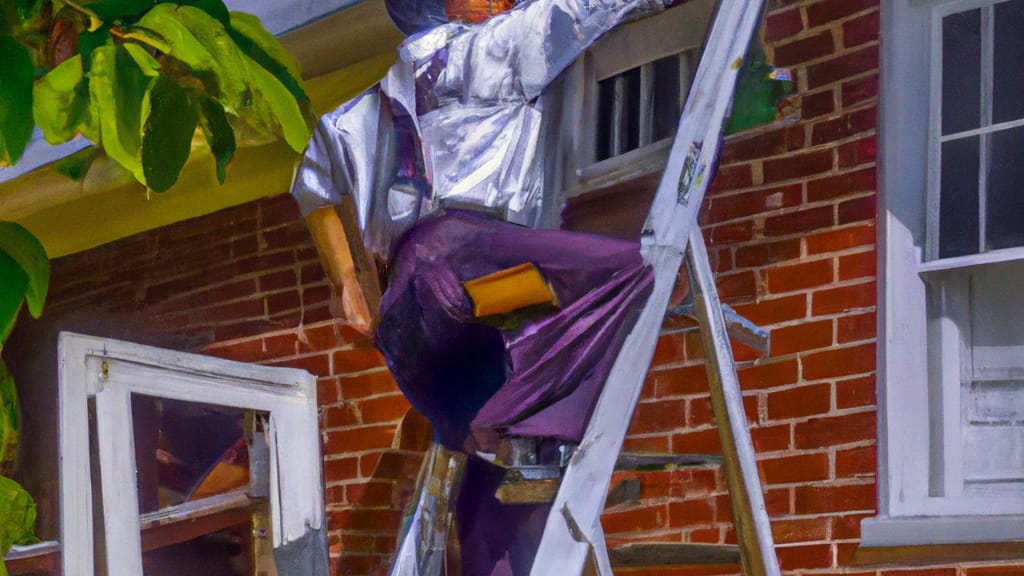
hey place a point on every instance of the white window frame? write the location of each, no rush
(111, 371)
(677, 30)
(908, 514)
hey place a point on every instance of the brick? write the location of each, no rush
(725, 208)
(799, 276)
(1016, 570)
(920, 572)
(278, 281)
(847, 526)
(670, 349)
(777, 501)
(341, 469)
(861, 90)
(841, 239)
(771, 438)
(690, 512)
(838, 362)
(857, 210)
(842, 185)
(783, 25)
(699, 412)
(798, 468)
(313, 295)
(697, 442)
(279, 210)
(370, 384)
(799, 165)
(769, 374)
(857, 266)
(738, 286)
(356, 360)
(317, 364)
(757, 255)
(658, 416)
(380, 409)
(243, 310)
(801, 337)
(390, 465)
(827, 11)
(678, 381)
(790, 530)
(856, 392)
(803, 221)
(858, 152)
(856, 327)
(772, 143)
(359, 439)
(804, 49)
(800, 402)
(732, 177)
(369, 520)
(835, 430)
(843, 299)
(282, 303)
(805, 557)
(861, 30)
(842, 67)
(636, 520)
(817, 104)
(857, 462)
(732, 233)
(370, 494)
(340, 416)
(820, 499)
(843, 127)
(646, 444)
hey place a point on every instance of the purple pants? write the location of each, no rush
(537, 372)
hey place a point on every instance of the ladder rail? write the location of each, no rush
(565, 545)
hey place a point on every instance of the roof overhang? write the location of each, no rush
(341, 54)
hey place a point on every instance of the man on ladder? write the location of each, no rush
(495, 331)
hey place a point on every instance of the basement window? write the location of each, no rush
(199, 465)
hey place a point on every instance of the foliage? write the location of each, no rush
(24, 279)
(139, 76)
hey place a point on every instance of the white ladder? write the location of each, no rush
(573, 534)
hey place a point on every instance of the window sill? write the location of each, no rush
(38, 558)
(939, 539)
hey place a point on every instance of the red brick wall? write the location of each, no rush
(791, 226)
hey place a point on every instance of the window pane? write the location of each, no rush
(1008, 81)
(618, 109)
(958, 207)
(666, 97)
(186, 451)
(961, 71)
(1004, 222)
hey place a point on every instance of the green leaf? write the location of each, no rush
(168, 137)
(16, 75)
(13, 285)
(263, 47)
(76, 166)
(277, 108)
(61, 103)
(109, 10)
(26, 250)
(117, 88)
(17, 515)
(27, 9)
(9, 425)
(149, 66)
(215, 8)
(89, 41)
(196, 39)
(219, 134)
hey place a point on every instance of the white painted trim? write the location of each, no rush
(111, 371)
(971, 260)
(926, 530)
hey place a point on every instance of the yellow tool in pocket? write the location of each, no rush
(508, 290)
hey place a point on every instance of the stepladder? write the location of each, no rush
(573, 541)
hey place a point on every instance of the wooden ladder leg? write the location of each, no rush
(753, 530)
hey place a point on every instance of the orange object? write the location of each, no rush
(475, 11)
(508, 290)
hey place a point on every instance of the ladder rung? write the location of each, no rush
(651, 461)
(740, 329)
(672, 554)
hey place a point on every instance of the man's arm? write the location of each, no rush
(323, 188)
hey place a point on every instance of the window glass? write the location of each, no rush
(1004, 213)
(667, 88)
(958, 205)
(961, 71)
(1008, 73)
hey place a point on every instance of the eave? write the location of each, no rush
(341, 55)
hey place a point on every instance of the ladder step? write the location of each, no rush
(538, 484)
(649, 554)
